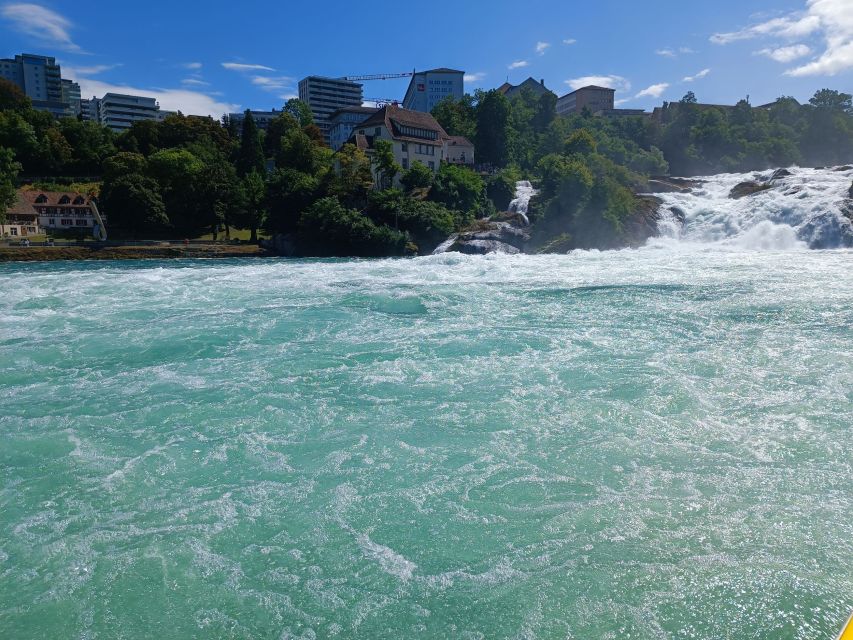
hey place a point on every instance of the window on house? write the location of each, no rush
(405, 163)
(42, 198)
(13, 231)
(65, 222)
(78, 200)
(432, 165)
(64, 200)
(52, 221)
(81, 223)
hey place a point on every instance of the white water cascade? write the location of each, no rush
(798, 208)
(524, 191)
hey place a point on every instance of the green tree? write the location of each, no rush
(133, 203)
(300, 111)
(460, 189)
(9, 169)
(419, 176)
(329, 228)
(250, 156)
(254, 212)
(492, 139)
(832, 101)
(12, 98)
(353, 179)
(385, 166)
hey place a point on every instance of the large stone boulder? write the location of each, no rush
(491, 237)
(851, 190)
(643, 223)
(749, 188)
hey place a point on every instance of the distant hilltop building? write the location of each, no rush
(262, 118)
(324, 96)
(594, 98)
(537, 87)
(40, 78)
(428, 88)
(119, 111)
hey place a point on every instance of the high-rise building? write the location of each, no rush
(71, 97)
(326, 95)
(39, 77)
(262, 118)
(118, 111)
(428, 88)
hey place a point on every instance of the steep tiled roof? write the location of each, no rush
(394, 117)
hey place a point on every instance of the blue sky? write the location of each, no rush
(228, 56)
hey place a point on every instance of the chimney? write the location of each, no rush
(542, 82)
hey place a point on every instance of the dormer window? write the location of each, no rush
(64, 200)
(41, 199)
(79, 200)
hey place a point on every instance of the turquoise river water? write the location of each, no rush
(636, 444)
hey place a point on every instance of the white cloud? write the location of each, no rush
(192, 65)
(698, 76)
(195, 82)
(836, 19)
(542, 47)
(289, 96)
(73, 72)
(619, 103)
(685, 50)
(569, 41)
(670, 52)
(239, 66)
(183, 100)
(786, 54)
(611, 82)
(654, 91)
(519, 64)
(666, 53)
(272, 83)
(474, 77)
(41, 24)
(795, 25)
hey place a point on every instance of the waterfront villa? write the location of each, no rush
(38, 211)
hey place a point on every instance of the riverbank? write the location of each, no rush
(39, 254)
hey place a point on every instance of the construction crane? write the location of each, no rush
(378, 76)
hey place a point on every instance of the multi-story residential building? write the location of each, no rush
(414, 136)
(594, 98)
(343, 121)
(326, 95)
(67, 210)
(262, 118)
(118, 111)
(71, 97)
(40, 78)
(428, 88)
(538, 88)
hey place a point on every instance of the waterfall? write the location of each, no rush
(524, 191)
(796, 208)
(444, 246)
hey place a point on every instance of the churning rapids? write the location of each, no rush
(649, 443)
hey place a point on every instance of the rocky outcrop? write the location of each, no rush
(851, 190)
(643, 223)
(779, 174)
(491, 237)
(749, 188)
(661, 184)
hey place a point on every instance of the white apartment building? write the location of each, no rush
(326, 95)
(428, 88)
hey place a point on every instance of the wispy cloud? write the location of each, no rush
(786, 54)
(795, 25)
(288, 96)
(654, 91)
(698, 76)
(273, 83)
(570, 41)
(93, 70)
(666, 53)
(194, 82)
(611, 82)
(41, 24)
(193, 66)
(518, 64)
(542, 47)
(474, 77)
(239, 66)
